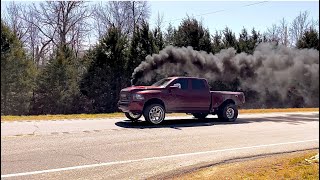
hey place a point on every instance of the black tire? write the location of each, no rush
(228, 113)
(132, 116)
(200, 115)
(157, 117)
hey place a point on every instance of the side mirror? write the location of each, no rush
(175, 86)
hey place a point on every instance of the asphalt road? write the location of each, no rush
(119, 149)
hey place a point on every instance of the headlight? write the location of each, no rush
(138, 97)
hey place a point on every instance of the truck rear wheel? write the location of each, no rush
(200, 115)
(132, 116)
(154, 113)
(228, 113)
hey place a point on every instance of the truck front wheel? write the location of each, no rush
(228, 113)
(154, 113)
(132, 116)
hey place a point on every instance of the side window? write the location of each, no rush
(183, 82)
(198, 84)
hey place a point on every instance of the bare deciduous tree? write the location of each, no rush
(288, 33)
(283, 32)
(125, 15)
(18, 27)
(314, 24)
(43, 26)
(18, 17)
(159, 21)
(298, 26)
(59, 22)
(272, 33)
(140, 12)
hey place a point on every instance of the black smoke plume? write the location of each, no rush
(273, 76)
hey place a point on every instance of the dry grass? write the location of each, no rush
(116, 115)
(285, 166)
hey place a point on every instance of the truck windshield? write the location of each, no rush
(162, 82)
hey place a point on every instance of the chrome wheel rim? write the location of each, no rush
(230, 113)
(135, 116)
(156, 114)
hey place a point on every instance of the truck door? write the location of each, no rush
(199, 95)
(178, 97)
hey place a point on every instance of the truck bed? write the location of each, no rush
(218, 97)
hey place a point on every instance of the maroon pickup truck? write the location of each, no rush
(179, 94)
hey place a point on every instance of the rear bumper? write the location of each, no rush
(134, 106)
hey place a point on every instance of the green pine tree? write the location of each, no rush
(159, 40)
(17, 75)
(105, 76)
(143, 43)
(309, 39)
(254, 40)
(217, 42)
(57, 85)
(169, 35)
(243, 41)
(229, 39)
(148, 43)
(192, 33)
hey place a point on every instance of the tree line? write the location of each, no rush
(48, 68)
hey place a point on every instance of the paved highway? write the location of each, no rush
(118, 149)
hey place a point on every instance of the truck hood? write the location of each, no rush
(140, 88)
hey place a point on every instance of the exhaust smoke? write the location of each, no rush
(273, 76)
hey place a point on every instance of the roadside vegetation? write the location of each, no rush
(117, 114)
(284, 166)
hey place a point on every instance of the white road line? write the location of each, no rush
(150, 158)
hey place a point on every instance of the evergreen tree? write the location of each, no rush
(169, 35)
(159, 41)
(134, 56)
(105, 78)
(192, 33)
(17, 75)
(142, 44)
(229, 39)
(57, 85)
(243, 41)
(217, 42)
(309, 39)
(147, 41)
(255, 39)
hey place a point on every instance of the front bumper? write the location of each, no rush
(133, 106)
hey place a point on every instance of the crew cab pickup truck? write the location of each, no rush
(189, 95)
